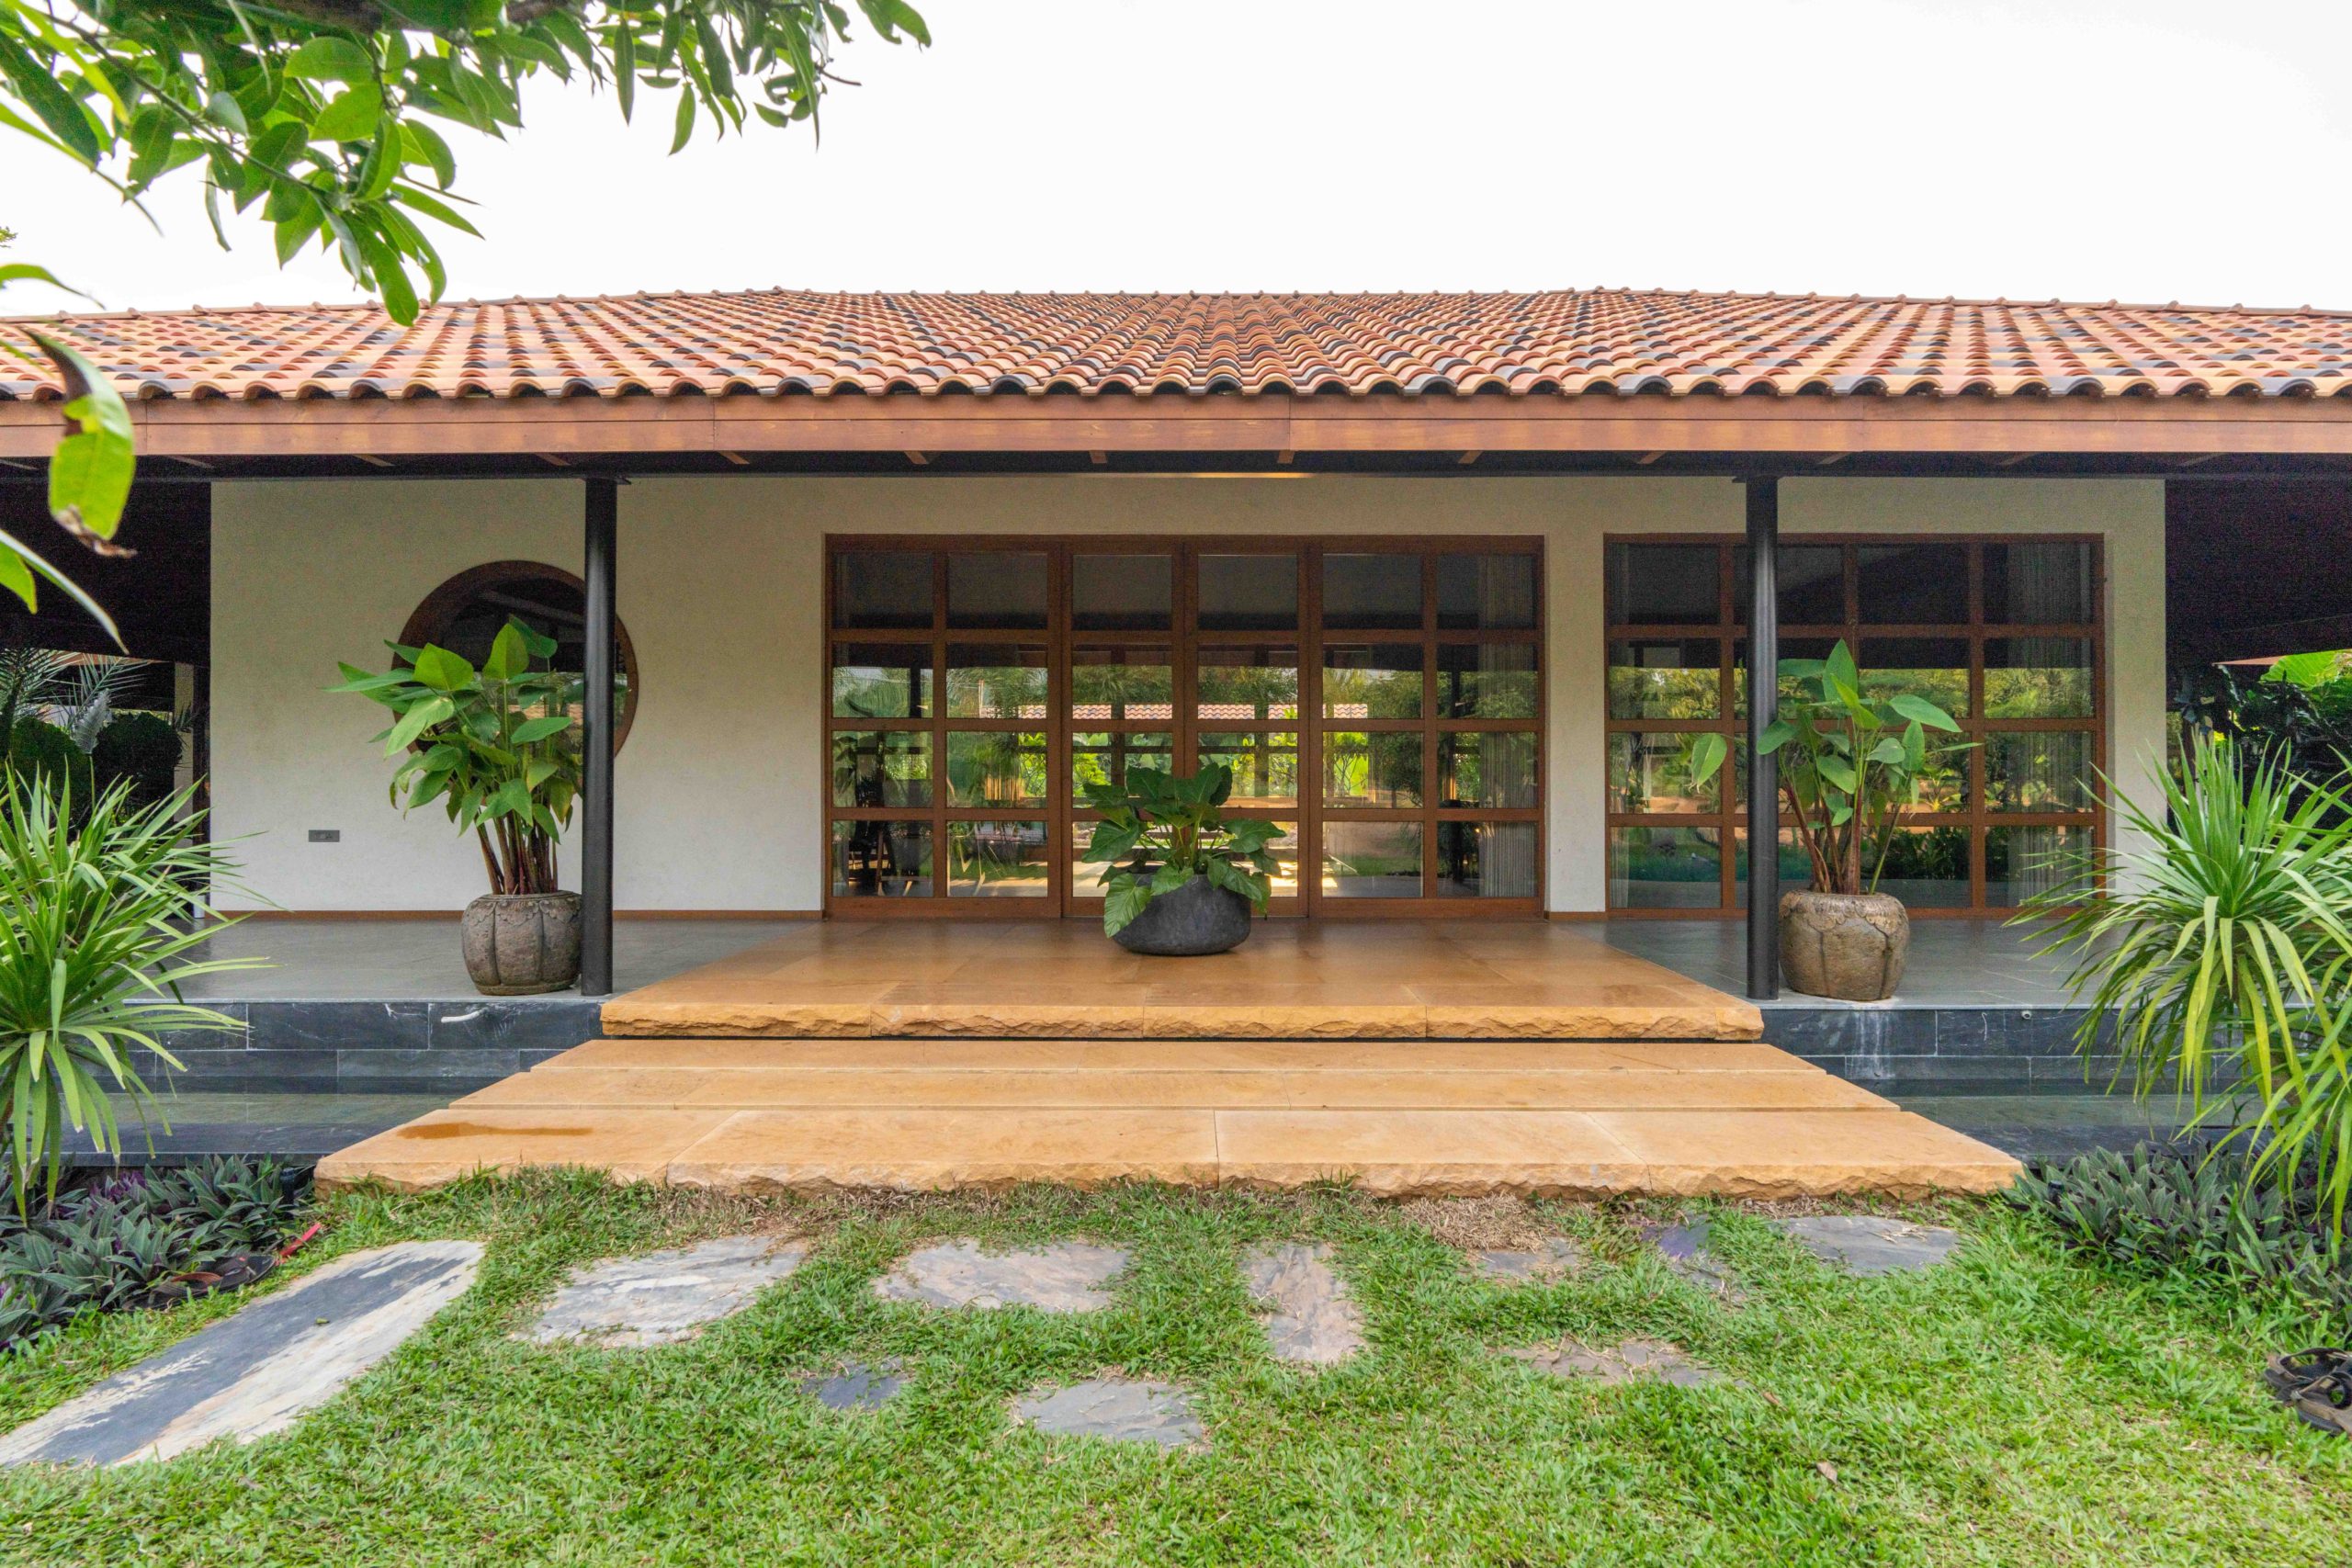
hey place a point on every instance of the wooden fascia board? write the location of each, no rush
(1811, 426)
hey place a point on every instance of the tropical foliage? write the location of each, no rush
(498, 746)
(98, 910)
(1160, 831)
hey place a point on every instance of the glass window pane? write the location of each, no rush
(1362, 592)
(2037, 677)
(1491, 768)
(1121, 682)
(1371, 860)
(1486, 679)
(1791, 648)
(1796, 867)
(1085, 880)
(2048, 769)
(2039, 582)
(1246, 683)
(1664, 868)
(1001, 590)
(2021, 862)
(1935, 668)
(881, 860)
(1372, 680)
(1381, 770)
(1282, 882)
(995, 680)
(997, 860)
(1651, 772)
(1264, 765)
(1810, 582)
(1122, 593)
(1652, 585)
(881, 680)
(1485, 860)
(881, 767)
(995, 767)
(1486, 593)
(1913, 584)
(882, 588)
(1249, 592)
(1926, 867)
(1107, 759)
(1676, 678)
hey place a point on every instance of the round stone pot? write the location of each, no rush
(1851, 946)
(1196, 919)
(518, 944)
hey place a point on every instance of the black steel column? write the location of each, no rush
(1763, 771)
(597, 783)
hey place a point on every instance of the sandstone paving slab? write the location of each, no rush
(1870, 1244)
(855, 1385)
(259, 1370)
(1556, 1258)
(1625, 1362)
(1313, 1320)
(1064, 1277)
(1115, 1410)
(661, 1298)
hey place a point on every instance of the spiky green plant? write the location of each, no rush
(2220, 957)
(97, 915)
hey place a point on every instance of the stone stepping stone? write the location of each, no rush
(1555, 1259)
(662, 1298)
(1684, 1247)
(257, 1370)
(1313, 1320)
(857, 1386)
(1870, 1244)
(1116, 1410)
(1634, 1358)
(1066, 1277)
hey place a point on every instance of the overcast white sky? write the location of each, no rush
(2141, 148)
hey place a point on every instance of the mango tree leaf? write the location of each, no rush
(1708, 751)
(1919, 710)
(536, 729)
(442, 669)
(509, 655)
(415, 722)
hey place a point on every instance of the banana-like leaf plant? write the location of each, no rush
(1160, 831)
(498, 746)
(1848, 765)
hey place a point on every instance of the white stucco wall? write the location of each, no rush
(721, 586)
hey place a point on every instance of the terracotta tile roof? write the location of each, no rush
(1565, 342)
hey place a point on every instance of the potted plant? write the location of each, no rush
(499, 749)
(1178, 879)
(1849, 766)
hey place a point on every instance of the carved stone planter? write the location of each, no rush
(1198, 918)
(518, 944)
(1850, 946)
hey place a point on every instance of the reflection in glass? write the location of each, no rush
(1935, 668)
(1121, 682)
(1375, 770)
(1796, 867)
(1913, 584)
(1249, 592)
(1001, 590)
(2037, 583)
(1485, 680)
(1656, 585)
(882, 588)
(1486, 593)
(2023, 861)
(2037, 677)
(1791, 648)
(1487, 768)
(1810, 581)
(874, 768)
(996, 860)
(995, 680)
(1375, 681)
(995, 767)
(1677, 677)
(1664, 868)
(1485, 860)
(1106, 759)
(1121, 593)
(2046, 769)
(1651, 772)
(1282, 882)
(1926, 867)
(881, 860)
(1265, 764)
(1367, 592)
(1371, 860)
(881, 680)
(1255, 683)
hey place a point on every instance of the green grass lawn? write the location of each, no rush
(2015, 1407)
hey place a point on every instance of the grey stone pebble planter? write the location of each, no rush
(1848, 946)
(1197, 918)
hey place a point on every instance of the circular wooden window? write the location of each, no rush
(464, 613)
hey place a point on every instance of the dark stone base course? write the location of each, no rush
(389, 1046)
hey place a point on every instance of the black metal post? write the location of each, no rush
(597, 783)
(1763, 771)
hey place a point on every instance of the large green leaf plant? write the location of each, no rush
(497, 746)
(1160, 831)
